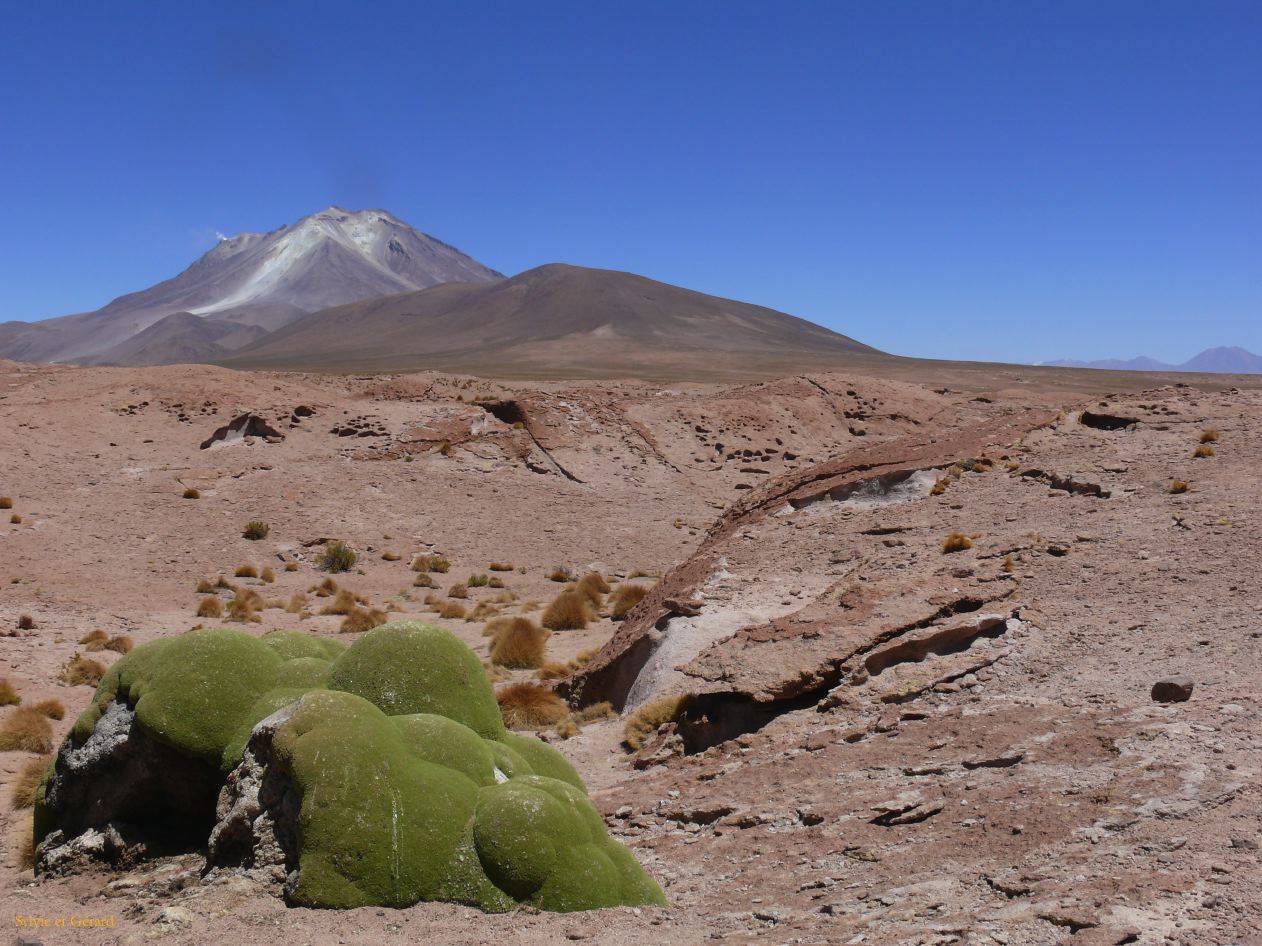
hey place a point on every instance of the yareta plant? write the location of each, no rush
(385, 767)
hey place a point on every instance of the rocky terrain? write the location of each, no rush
(897, 657)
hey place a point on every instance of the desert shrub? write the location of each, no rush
(555, 671)
(1203, 451)
(593, 587)
(223, 583)
(255, 530)
(244, 606)
(495, 674)
(6, 502)
(210, 608)
(25, 730)
(291, 566)
(343, 602)
(24, 845)
(53, 709)
(1179, 486)
(504, 597)
(430, 563)
(324, 589)
(500, 567)
(458, 590)
(359, 619)
(1209, 435)
(337, 557)
(27, 782)
(939, 486)
(205, 586)
(527, 606)
(494, 582)
(297, 601)
(477, 581)
(82, 671)
(567, 728)
(594, 713)
(520, 645)
(567, 612)
(267, 575)
(120, 644)
(483, 611)
(1008, 563)
(645, 721)
(625, 598)
(8, 693)
(246, 571)
(26, 623)
(496, 626)
(956, 542)
(561, 573)
(451, 610)
(422, 580)
(192, 493)
(15, 519)
(390, 556)
(529, 706)
(94, 637)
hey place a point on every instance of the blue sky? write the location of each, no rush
(991, 180)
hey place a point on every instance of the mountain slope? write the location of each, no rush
(326, 259)
(1221, 360)
(179, 339)
(555, 318)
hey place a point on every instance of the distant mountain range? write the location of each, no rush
(343, 290)
(1223, 360)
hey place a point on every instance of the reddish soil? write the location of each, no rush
(881, 742)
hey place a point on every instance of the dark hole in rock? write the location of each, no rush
(510, 412)
(247, 425)
(1107, 421)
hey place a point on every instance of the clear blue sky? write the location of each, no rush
(999, 180)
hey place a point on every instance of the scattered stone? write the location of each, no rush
(1172, 690)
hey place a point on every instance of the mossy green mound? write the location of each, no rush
(410, 786)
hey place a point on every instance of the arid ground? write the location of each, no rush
(876, 740)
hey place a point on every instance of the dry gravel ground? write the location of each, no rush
(900, 745)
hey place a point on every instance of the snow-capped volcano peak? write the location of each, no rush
(325, 259)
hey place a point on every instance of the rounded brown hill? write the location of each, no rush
(556, 318)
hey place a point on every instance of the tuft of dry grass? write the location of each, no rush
(223, 583)
(255, 530)
(25, 730)
(27, 782)
(495, 674)
(1209, 435)
(940, 486)
(483, 611)
(8, 693)
(206, 587)
(1179, 486)
(625, 598)
(324, 589)
(82, 671)
(1008, 563)
(478, 581)
(297, 601)
(15, 519)
(567, 612)
(6, 502)
(291, 566)
(210, 608)
(495, 582)
(500, 567)
(567, 728)
(192, 493)
(555, 671)
(1203, 451)
(343, 602)
(519, 645)
(593, 587)
(561, 573)
(458, 590)
(423, 580)
(267, 575)
(53, 709)
(390, 556)
(956, 542)
(430, 563)
(504, 597)
(530, 706)
(451, 610)
(360, 619)
(528, 606)
(26, 623)
(94, 639)
(246, 571)
(244, 606)
(645, 721)
(24, 845)
(120, 644)
(496, 626)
